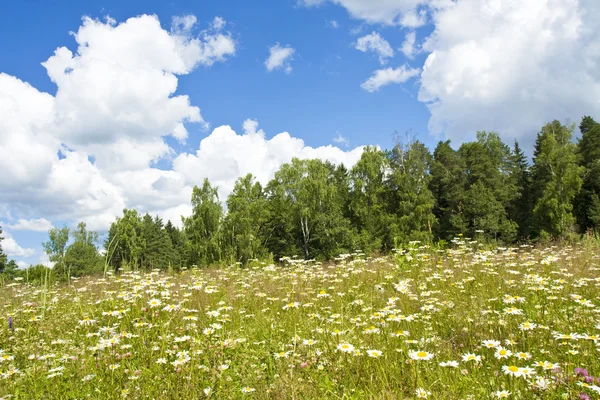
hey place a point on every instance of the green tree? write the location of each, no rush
(56, 247)
(125, 242)
(3, 257)
(81, 256)
(246, 221)
(11, 269)
(369, 201)
(411, 199)
(488, 166)
(556, 179)
(158, 248)
(588, 150)
(308, 214)
(178, 242)
(202, 228)
(448, 185)
(521, 208)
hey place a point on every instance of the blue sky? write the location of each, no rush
(322, 96)
(143, 99)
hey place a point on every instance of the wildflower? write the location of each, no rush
(541, 383)
(422, 393)
(490, 344)
(502, 353)
(502, 394)
(526, 372)
(523, 356)
(291, 305)
(420, 355)
(223, 367)
(471, 357)
(374, 353)
(247, 389)
(527, 326)
(450, 364)
(512, 370)
(171, 307)
(513, 311)
(345, 347)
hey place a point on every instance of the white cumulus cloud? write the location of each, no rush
(387, 76)
(280, 58)
(504, 65)
(389, 12)
(251, 152)
(34, 225)
(91, 150)
(513, 67)
(378, 45)
(408, 46)
(88, 152)
(12, 249)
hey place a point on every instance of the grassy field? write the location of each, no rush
(520, 323)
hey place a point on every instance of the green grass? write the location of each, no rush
(278, 331)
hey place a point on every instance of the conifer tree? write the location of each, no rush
(520, 208)
(556, 178)
(587, 205)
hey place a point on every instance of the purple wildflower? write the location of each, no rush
(584, 396)
(581, 372)
(10, 323)
(589, 379)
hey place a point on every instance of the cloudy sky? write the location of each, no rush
(113, 104)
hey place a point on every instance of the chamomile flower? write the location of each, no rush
(374, 353)
(420, 355)
(345, 347)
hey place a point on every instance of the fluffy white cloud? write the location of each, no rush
(389, 12)
(88, 152)
(26, 149)
(375, 43)
(280, 57)
(250, 152)
(506, 65)
(34, 225)
(12, 249)
(341, 140)
(387, 76)
(408, 46)
(513, 67)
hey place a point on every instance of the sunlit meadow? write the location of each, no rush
(461, 323)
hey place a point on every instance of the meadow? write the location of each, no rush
(458, 323)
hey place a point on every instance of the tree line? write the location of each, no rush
(317, 210)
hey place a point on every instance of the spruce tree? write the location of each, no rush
(556, 178)
(448, 185)
(520, 208)
(588, 150)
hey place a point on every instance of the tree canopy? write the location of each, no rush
(314, 209)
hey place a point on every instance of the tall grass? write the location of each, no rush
(458, 323)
